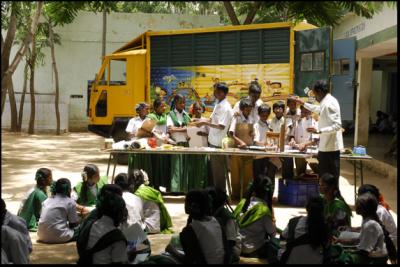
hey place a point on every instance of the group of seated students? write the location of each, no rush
(115, 230)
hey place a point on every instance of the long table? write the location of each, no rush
(251, 154)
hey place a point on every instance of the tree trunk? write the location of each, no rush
(53, 57)
(250, 16)
(21, 104)
(13, 106)
(6, 79)
(104, 36)
(31, 129)
(231, 13)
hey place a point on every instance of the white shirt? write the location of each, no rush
(253, 235)
(134, 124)
(19, 224)
(372, 239)
(134, 205)
(330, 123)
(177, 136)
(151, 212)
(239, 119)
(260, 130)
(254, 112)
(57, 213)
(222, 114)
(275, 124)
(300, 130)
(116, 252)
(14, 245)
(387, 220)
(291, 120)
(209, 234)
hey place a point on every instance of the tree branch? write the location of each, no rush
(250, 16)
(231, 13)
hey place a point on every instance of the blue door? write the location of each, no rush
(344, 86)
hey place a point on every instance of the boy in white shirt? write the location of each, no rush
(135, 123)
(219, 123)
(254, 94)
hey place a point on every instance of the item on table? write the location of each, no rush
(228, 142)
(152, 142)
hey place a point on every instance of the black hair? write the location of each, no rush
(321, 86)
(135, 179)
(198, 104)
(255, 87)
(140, 106)
(279, 104)
(264, 108)
(317, 228)
(3, 210)
(197, 204)
(262, 188)
(331, 182)
(177, 97)
(122, 181)
(63, 187)
(157, 103)
(368, 204)
(113, 188)
(245, 102)
(218, 198)
(369, 188)
(111, 204)
(290, 100)
(222, 86)
(41, 176)
(88, 172)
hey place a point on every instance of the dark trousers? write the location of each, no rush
(329, 162)
(287, 168)
(219, 170)
(264, 166)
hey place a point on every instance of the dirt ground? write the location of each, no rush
(66, 155)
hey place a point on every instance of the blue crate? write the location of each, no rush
(296, 192)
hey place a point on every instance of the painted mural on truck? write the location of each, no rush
(196, 82)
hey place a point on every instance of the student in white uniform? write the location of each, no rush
(306, 236)
(254, 94)
(219, 124)
(383, 213)
(59, 217)
(202, 238)
(15, 222)
(135, 123)
(256, 221)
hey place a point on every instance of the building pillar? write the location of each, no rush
(363, 102)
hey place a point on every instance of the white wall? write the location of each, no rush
(79, 55)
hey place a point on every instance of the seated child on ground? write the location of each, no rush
(256, 221)
(58, 218)
(14, 248)
(85, 192)
(156, 216)
(32, 204)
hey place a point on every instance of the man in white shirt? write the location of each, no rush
(329, 129)
(219, 123)
(135, 123)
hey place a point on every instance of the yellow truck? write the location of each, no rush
(284, 58)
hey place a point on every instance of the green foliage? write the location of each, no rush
(62, 12)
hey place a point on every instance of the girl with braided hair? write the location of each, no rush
(256, 220)
(85, 192)
(31, 205)
(59, 218)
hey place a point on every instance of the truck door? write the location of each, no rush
(312, 57)
(343, 82)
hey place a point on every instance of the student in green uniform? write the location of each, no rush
(85, 192)
(32, 205)
(156, 216)
(337, 212)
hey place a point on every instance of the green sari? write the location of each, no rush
(90, 198)
(332, 210)
(30, 210)
(251, 215)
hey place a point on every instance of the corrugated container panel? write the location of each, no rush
(276, 45)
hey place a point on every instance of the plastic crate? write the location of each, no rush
(296, 192)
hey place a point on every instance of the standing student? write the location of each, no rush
(329, 129)
(245, 106)
(161, 174)
(301, 139)
(202, 238)
(16, 223)
(263, 166)
(156, 216)
(59, 217)
(254, 95)
(292, 115)
(383, 213)
(306, 236)
(31, 206)
(256, 221)
(86, 191)
(177, 121)
(219, 123)
(337, 212)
